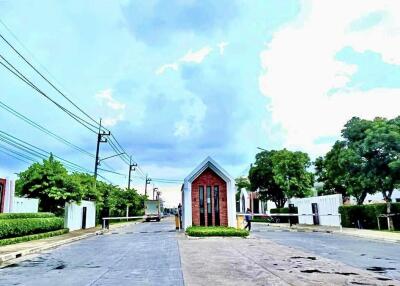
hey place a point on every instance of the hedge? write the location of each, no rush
(203, 231)
(285, 219)
(25, 215)
(26, 226)
(365, 215)
(19, 239)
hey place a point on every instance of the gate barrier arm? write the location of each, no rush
(296, 215)
(119, 218)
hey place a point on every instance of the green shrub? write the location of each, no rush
(19, 239)
(26, 226)
(285, 219)
(366, 215)
(25, 215)
(202, 231)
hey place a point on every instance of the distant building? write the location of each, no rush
(251, 200)
(208, 196)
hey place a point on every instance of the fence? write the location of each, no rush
(337, 217)
(311, 208)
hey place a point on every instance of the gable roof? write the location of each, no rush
(213, 165)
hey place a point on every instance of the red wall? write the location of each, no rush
(209, 178)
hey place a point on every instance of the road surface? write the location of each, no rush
(142, 254)
(381, 257)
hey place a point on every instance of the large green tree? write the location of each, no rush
(367, 160)
(280, 175)
(342, 171)
(50, 183)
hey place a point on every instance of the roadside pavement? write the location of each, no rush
(258, 261)
(363, 233)
(136, 254)
(13, 251)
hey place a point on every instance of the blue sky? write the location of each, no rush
(176, 81)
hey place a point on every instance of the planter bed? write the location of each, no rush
(204, 231)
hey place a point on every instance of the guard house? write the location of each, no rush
(208, 196)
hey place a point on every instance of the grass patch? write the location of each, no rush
(19, 239)
(204, 231)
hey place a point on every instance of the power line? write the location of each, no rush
(34, 150)
(43, 129)
(88, 125)
(18, 74)
(42, 76)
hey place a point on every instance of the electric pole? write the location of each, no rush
(131, 168)
(148, 180)
(101, 138)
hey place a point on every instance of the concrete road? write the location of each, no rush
(142, 254)
(380, 257)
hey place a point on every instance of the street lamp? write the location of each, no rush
(154, 190)
(262, 149)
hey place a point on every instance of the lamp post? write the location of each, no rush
(155, 190)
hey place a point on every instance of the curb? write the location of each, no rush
(18, 254)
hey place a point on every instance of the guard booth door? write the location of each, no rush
(314, 207)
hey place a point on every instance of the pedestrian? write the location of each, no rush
(247, 217)
(180, 215)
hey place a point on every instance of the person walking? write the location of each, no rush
(247, 217)
(180, 215)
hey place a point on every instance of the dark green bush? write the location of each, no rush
(366, 215)
(26, 226)
(19, 239)
(285, 219)
(203, 231)
(25, 215)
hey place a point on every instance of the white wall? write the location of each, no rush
(328, 209)
(377, 198)
(74, 212)
(24, 205)
(14, 204)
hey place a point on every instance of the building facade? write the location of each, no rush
(208, 196)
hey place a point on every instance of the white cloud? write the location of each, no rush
(111, 109)
(300, 69)
(197, 56)
(163, 68)
(221, 46)
(193, 113)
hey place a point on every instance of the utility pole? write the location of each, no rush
(132, 167)
(101, 138)
(148, 180)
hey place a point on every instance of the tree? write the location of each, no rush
(366, 161)
(120, 200)
(280, 175)
(50, 183)
(342, 171)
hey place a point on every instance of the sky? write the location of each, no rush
(177, 81)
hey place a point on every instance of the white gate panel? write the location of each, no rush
(328, 209)
(74, 214)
